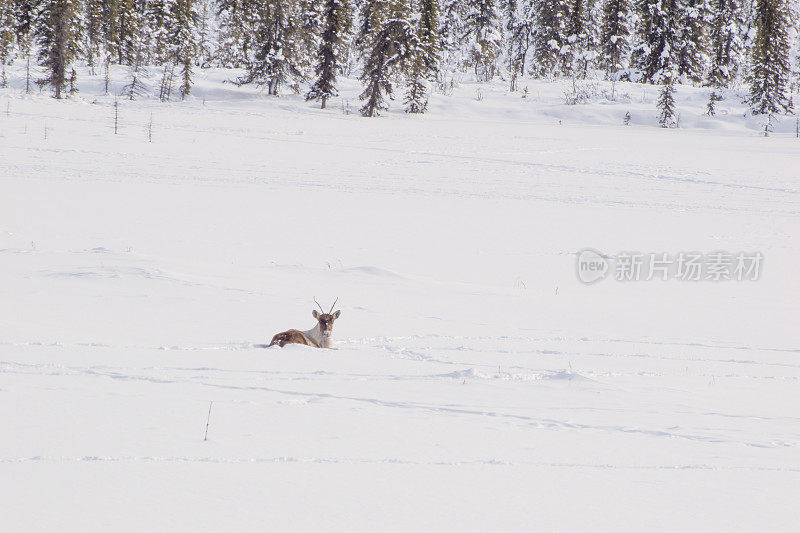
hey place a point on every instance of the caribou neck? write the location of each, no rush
(315, 336)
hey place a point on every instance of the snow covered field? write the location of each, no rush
(477, 384)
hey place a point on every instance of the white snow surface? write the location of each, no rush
(476, 384)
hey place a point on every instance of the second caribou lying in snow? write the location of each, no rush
(320, 336)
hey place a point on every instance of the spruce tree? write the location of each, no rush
(483, 28)
(797, 70)
(452, 18)
(7, 36)
(73, 82)
(181, 44)
(389, 52)
(23, 20)
(274, 62)
(748, 38)
(692, 16)
(371, 16)
(57, 37)
(133, 47)
(93, 39)
(131, 33)
(657, 48)
(25, 12)
(110, 27)
(237, 28)
(138, 76)
(615, 36)
(770, 67)
(424, 62)
(205, 33)
(186, 74)
(158, 17)
(518, 31)
(430, 41)
(416, 100)
(726, 39)
(575, 53)
(711, 106)
(512, 19)
(666, 105)
(549, 34)
(334, 21)
(308, 35)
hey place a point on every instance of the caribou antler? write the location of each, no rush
(320, 307)
(334, 305)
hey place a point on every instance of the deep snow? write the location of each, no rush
(477, 385)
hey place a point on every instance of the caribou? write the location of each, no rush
(320, 336)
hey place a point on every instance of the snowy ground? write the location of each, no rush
(477, 385)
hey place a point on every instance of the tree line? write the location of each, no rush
(406, 46)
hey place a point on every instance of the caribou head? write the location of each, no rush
(326, 319)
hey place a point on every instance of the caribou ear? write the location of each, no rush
(336, 314)
(314, 313)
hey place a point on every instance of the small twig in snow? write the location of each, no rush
(208, 420)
